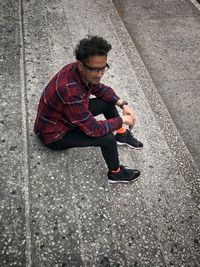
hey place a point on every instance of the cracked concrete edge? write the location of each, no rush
(185, 162)
(194, 2)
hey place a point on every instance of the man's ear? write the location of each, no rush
(80, 65)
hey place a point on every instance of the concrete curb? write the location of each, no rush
(26, 169)
(196, 4)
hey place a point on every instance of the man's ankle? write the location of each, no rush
(116, 171)
(121, 130)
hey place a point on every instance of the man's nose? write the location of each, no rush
(100, 74)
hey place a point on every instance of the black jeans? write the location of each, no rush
(107, 143)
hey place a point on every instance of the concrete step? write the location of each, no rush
(166, 35)
(70, 216)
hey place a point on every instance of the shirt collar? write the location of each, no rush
(83, 81)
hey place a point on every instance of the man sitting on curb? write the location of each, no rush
(65, 116)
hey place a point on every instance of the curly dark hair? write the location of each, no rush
(91, 46)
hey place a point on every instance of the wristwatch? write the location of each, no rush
(123, 103)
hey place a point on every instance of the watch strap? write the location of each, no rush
(123, 103)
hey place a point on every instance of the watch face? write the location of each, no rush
(124, 103)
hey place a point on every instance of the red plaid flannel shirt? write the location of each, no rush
(64, 103)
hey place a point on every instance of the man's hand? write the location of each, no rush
(129, 116)
(128, 111)
(128, 119)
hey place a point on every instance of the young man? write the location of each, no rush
(66, 114)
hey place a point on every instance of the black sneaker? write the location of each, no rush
(129, 140)
(123, 176)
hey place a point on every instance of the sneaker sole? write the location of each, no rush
(124, 144)
(122, 182)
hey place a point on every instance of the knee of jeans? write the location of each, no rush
(107, 105)
(110, 105)
(109, 138)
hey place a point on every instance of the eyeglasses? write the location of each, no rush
(96, 70)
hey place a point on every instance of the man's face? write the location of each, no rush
(93, 70)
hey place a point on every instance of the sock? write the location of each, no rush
(121, 130)
(115, 171)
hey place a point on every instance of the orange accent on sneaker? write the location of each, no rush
(118, 170)
(121, 130)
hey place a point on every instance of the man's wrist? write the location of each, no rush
(123, 104)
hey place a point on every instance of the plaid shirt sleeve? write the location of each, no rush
(105, 92)
(76, 111)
